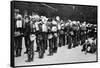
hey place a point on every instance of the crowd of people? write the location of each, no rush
(51, 33)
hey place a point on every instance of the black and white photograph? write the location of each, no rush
(53, 33)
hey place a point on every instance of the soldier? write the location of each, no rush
(54, 32)
(75, 31)
(44, 31)
(18, 33)
(95, 31)
(40, 40)
(78, 32)
(32, 37)
(37, 22)
(27, 33)
(37, 32)
(66, 30)
(50, 36)
(83, 32)
(70, 36)
(62, 35)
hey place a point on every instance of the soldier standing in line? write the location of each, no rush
(58, 28)
(32, 37)
(74, 37)
(44, 31)
(50, 36)
(18, 33)
(78, 32)
(70, 36)
(37, 32)
(40, 40)
(66, 30)
(54, 32)
(27, 33)
(83, 32)
(62, 35)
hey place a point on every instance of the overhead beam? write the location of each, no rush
(50, 7)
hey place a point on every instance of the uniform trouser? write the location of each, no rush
(54, 44)
(95, 34)
(66, 39)
(62, 40)
(78, 36)
(50, 46)
(37, 42)
(69, 42)
(31, 50)
(18, 45)
(26, 42)
(41, 48)
(83, 38)
(74, 41)
(45, 39)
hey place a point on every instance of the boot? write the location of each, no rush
(41, 55)
(69, 46)
(19, 52)
(55, 50)
(29, 58)
(50, 54)
(26, 51)
(16, 53)
(37, 50)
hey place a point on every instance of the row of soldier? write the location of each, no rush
(49, 33)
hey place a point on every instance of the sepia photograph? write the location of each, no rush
(53, 33)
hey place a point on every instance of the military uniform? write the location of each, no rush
(32, 37)
(18, 35)
(62, 36)
(54, 38)
(44, 31)
(75, 34)
(40, 42)
(70, 38)
(66, 30)
(83, 33)
(50, 36)
(26, 35)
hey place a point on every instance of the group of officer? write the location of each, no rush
(49, 33)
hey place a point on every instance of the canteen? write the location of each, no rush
(54, 28)
(32, 37)
(55, 34)
(50, 36)
(17, 33)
